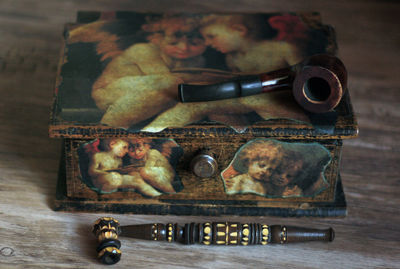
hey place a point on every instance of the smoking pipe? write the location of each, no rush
(107, 230)
(317, 83)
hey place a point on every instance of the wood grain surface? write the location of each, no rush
(32, 235)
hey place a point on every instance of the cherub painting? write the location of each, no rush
(142, 165)
(136, 84)
(272, 168)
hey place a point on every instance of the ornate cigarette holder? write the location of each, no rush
(107, 230)
(317, 84)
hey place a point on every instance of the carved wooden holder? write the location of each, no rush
(318, 84)
(108, 229)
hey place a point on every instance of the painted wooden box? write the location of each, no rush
(130, 146)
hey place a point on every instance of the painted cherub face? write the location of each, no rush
(119, 148)
(287, 173)
(181, 45)
(222, 37)
(138, 150)
(177, 37)
(261, 169)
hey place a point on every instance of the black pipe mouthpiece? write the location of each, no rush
(243, 86)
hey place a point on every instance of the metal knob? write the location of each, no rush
(203, 165)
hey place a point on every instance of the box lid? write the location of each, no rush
(119, 72)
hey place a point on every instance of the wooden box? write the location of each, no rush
(131, 147)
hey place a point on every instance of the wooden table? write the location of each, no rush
(32, 235)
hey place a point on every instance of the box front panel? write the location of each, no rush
(255, 172)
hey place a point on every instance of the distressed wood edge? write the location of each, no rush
(272, 131)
